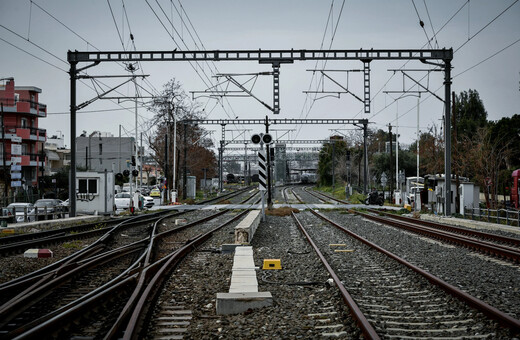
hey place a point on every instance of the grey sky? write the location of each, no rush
(267, 25)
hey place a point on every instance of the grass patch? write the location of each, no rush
(224, 202)
(283, 211)
(357, 198)
(72, 245)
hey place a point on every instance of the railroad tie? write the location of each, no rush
(173, 322)
(327, 322)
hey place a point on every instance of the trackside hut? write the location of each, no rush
(95, 192)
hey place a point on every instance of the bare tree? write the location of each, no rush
(486, 155)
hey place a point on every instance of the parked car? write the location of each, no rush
(148, 201)
(65, 205)
(7, 217)
(155, 192)
(122, 200)
(21, 210)
(54, 208)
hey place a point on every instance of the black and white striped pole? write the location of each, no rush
(263, 183)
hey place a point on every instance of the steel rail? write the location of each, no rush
(33, 295)
(482, 246)
(22, 246)
(56, 324)
(142, 301)
(450, 228)
(68, 313)
(366, 328)
(494, 313)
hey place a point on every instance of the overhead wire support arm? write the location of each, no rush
(88, 102)
(337, 83)
(425, 88)
(240, 86)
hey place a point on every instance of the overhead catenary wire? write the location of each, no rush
(456, 50)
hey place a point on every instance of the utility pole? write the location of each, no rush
(185, 172)
(391, 161)
(456, 155)
(165, 196)
(141, 163)
(119, 148)
(447, 134)
(269, 197)
(174, 171)
(3, 157)
(333, 163)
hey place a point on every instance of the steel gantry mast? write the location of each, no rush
(275, 58)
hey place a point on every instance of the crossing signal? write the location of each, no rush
(133, 160)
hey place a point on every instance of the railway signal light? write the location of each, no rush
(256, 138)
(262, 138)
(267, 138)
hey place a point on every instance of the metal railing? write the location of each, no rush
(32, 104)
(500, 216)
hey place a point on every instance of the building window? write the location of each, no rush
(88, 186)
(23, 123)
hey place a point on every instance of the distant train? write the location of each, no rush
(308, 178)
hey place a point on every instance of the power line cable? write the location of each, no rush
(485, 26)
(115, 24)
(32, 55)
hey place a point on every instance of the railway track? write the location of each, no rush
(489, 244)
(376, 303)
(157, 253)
(395, 298)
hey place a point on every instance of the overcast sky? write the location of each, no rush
(484, 35)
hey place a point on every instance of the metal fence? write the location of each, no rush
(500, 216)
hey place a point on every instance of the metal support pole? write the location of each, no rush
(72, 183)
(119, 148)
(5, 203)
(269, 197)
(245, 165)
(333, 164)
(185, 173)
(166, 160)
(276, 88)
(391, 162)
(174, 169)
(220, 168)
(447, 135)
(365, 147)
(141, 164)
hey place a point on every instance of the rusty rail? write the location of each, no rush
(367, 329)
(503, 318)
(482, 246)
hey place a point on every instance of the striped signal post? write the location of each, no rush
(262, 178)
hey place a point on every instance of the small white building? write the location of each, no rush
(469, 194)
(95, 192)
(468, 191)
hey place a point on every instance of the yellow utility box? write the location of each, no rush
(272, 264)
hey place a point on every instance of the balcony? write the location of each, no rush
(30, 133)
(27, 159)
(24, 105)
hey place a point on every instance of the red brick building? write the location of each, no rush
(21, 142)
